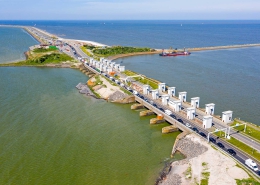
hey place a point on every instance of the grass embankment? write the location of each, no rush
(41, 57)
(251, 130)
(115, 50)
(249, 181)
(144, 80)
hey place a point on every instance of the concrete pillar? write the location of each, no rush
(121, 68)
(116, 67)
(101, 59)
(209, 108)
(183, 96)
(146, 89)
(101, 66)
(105, 68)
(112, 64)
(207, 122)
(191, 112)
(165, 99)
(227, 116)
(171, 91)
(161, 87)
(155, 94)
(195, 102)
(175, 105)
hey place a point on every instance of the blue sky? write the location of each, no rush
(129, 10)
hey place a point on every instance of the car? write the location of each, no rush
(231, 151)
(154, 105)
(130, 90)
(161, 109)
(220, 145)
(168, 112)
(180, 120)
(211, 139)
(188, 125)
(142, 97)
(173, 116)
(195, 129)
(202, 134)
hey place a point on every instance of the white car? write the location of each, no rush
(188, 125)
(168, 112)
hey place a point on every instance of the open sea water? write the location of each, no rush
(50, 134)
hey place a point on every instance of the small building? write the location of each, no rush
(227, 116)
(183, 96)
(195, 102)
(121, 68)
(161, 87)
(191, 112)
(207, 122)
(209, 108)
(171, 91)
(104, 68)
(175, 105)
(146, 89)
(165, 99)
(155, 94)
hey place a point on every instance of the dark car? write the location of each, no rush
(154, 105)
(180, 120)
(130, 90)
(202, 134)
(173, 116)
(142, 97)
(220, 145)
(231, 151)
(195, 129)
(212, 140)
(161, 109)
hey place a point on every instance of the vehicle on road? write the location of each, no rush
(188, 125)
(220, 145)
(154, 105)
(135, 92)
(173, 116)
(195, 129)
(168, 112)
(251, 164)
(180, 120)
(202, 134)
(211, 139)
(161, 109)
(231, 151)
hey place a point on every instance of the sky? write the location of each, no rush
(129, 10)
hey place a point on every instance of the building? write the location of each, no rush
(227, 116)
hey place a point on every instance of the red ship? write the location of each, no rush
(174, 53)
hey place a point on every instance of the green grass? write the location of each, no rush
(147, 81)
(43, 50)
(116, 50)
(129, 73)
(249, 181)
(83, 48)
(255, 133)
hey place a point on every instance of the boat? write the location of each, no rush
(174, 53)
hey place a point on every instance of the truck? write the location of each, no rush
(251, 164)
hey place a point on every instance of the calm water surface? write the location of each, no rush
(51, 134)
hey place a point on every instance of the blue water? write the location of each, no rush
(13, 43)
(154, 34)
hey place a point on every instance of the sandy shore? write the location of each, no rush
(202, 159)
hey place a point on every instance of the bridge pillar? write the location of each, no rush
(161, 87)
(101, 59)
(175, 105)
(227, 116)
(165, 99)
(183, 96)
(146, 89)
(191, 112)
(116, 67)
(121, 68)
(155, 94)
(195, 102)
(171, 91)
(207, 122)
(210, 108)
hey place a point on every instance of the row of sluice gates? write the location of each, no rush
(175, 105)
(106, 65)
